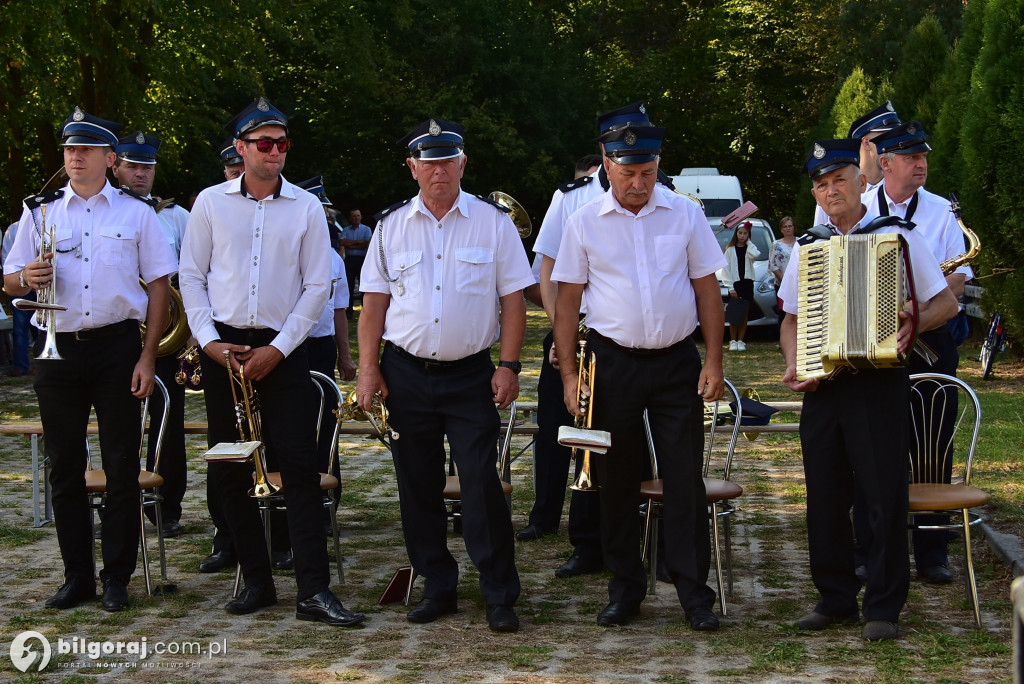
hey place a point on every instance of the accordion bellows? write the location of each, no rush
(851, 290)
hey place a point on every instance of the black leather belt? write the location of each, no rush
(637, 351)
(101, 332)
(439, 365)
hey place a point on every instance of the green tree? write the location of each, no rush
(925, 55)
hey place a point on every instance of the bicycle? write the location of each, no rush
(995, 342)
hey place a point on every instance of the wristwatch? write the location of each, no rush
(514, 366)
(21, 278)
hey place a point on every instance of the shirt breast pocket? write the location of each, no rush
(408, 268)
(474, 270)
(669, 253)
(116, 244)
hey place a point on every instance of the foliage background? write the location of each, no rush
(743, 85)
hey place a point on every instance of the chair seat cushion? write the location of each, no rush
(453, 489)
(326, 481)
(96, 480)
(717, 490)
(945, 497)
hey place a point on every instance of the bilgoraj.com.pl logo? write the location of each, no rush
(25, 650)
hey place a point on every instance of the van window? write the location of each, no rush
(719, 207)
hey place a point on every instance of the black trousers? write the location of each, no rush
(854, 432)
(551, 468)
(288, 407)
(428, 402)
(95, 373)
(664, 385)
(173, 467)
(323, 357)
(930, 546)
(353, 265)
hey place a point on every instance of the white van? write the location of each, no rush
(720, 194)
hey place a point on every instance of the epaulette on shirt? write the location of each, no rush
(384, 212)
(883, 221)
(575, 184)
(151, 201)
(33, 202)
(500, 207)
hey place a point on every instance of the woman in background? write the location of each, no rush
(738, 277)
(778, 255)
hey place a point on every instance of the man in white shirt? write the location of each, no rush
(135, 169)
(854, 428)
(903, 155)
(446, 268)
(105, 241)
(256, 297)
(645, 258)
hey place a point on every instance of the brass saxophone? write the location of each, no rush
(973, 243)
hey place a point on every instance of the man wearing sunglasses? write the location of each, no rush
(254, 299)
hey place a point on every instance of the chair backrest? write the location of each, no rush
(158, 386)
(945, 420)
(327, 386)
(726, 446)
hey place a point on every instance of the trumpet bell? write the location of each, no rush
(516, 212)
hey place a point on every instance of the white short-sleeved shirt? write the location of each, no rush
(339, 298)
(104, 245)
(563, 205)
(173, 221)
(928, 278)
(255, 263)
(637, 268)
(445, 276)
(934, 222)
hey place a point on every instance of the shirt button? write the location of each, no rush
(438, 256)
(86, 258)
(86, 313)
(437, 287)
(434, 353)
(436, 320)
(88, 210)
(401, 266)
(439, 226)
(86, 235)
(118, 235)
(87, 287)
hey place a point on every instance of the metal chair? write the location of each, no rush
(720, 490)
(328, 481)
(149, 494)
(946, 419)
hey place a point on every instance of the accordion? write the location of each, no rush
(851, 291)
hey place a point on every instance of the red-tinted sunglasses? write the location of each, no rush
(266, 144)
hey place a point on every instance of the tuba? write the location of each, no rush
(516, 212)
(176, 333)
(973, 243)
(247, 414)
(46, 305)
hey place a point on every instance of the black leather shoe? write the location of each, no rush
(72, 592)
(217, 561)
(702, 619)
(817, 621)
(326, 608)
(429, 610)
(252, 598)
(578, 565)
(936, 574)
(172, 529)
(282, 560)
(532, 532)
(502, 619)
(115, 595)
(618, 613)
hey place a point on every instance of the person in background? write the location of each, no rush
(737, 276)
(778, 255)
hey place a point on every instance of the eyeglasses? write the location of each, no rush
(266, 144)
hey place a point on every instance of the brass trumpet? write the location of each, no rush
(46, 305)
(247, 415)
(377, 417)
(588, 364)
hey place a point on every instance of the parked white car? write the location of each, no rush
(764, 282)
